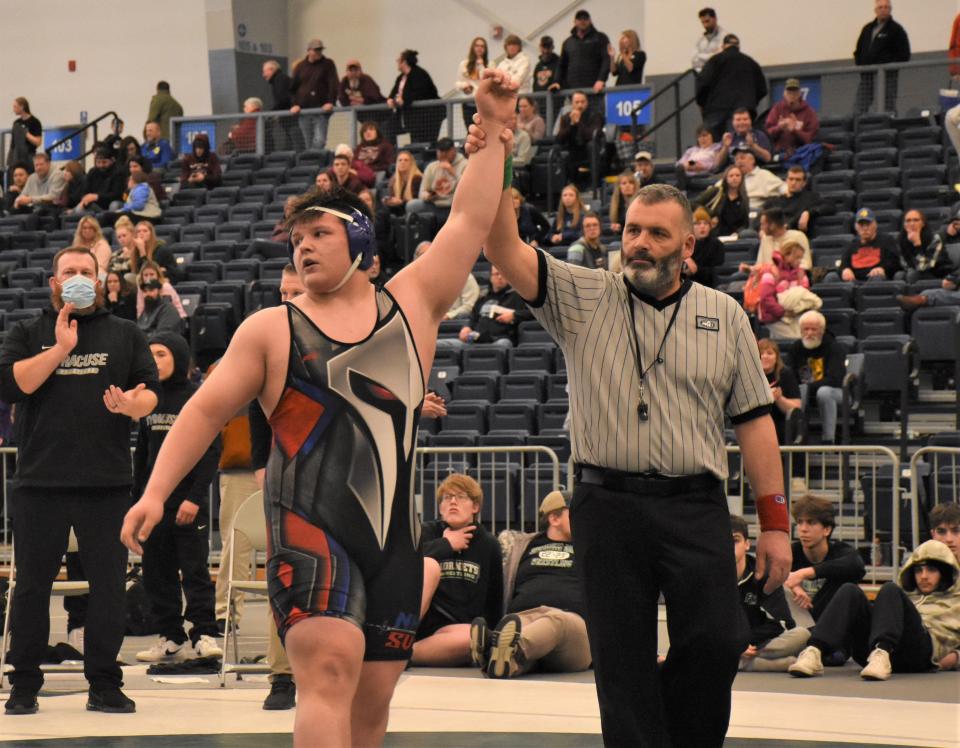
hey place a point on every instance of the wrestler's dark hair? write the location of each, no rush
(336, 198)
(816, 509)
(739, 525)
(947, 513)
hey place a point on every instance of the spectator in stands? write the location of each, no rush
(374, 149)
(357, 88)
(276, 246)
(882, 41)
(201, 167)
(923, 253)
(743, 135)
(18, 180)
(440, 181)
(623, 194)
(156, 149)
(730, 80)
(544, 627)
(529, 119)
(323, 181)
(727, 203)
(792, 122)
(152, 249)
(783, 386)
(412, 85)
(909, 628)
(588, 250)
(710, 42)
(314, 86)
(872, 255)
(644, 174)
(104, 185)
(73, 178)
(945, 525)
(403, 188)
(26, 135)
(761, 184)
(628, 65)
(89, 235)
(801, 206)
(42, 188)
(141, 202)
(951, 123)
(158, 313)
(516, 63)
(767, 616)
(497, 315)
(357, 167)
(708, 252)
(242, 137)
(283, 134)
(175, 555)
(119, 297)
(774, 235)
(129, 148)
(702, 158)
(468, 75)
(463, 305)
(140, 164)
(569, 222)
(821, 363)
(124, 258)
(546, 72)
(784, 292)
(523, 148)
(821, 565)
(463, 575)
(947, 295)
(584, 56)
(531, 223)
(162, 107)
(575, 133)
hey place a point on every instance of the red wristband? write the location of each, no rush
(773, 514)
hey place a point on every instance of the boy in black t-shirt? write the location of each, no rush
(463, 575)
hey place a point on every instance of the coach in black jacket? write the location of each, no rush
(730, 80)
(77, 374)
(584, 60)
(881, 41)
(412, 85)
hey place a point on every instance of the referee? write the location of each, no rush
(654, 363)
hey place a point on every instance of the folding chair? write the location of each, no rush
(249, 522)
(59, 589)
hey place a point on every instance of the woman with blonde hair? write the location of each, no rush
(150, 270)
(569, 216)
(89, 235)
(149, 247)
(628, 65)
(125, 259)
(624, 193)
(404, 184)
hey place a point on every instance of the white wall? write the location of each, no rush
(122, 48)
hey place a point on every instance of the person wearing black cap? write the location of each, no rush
(871, 255)
(729, 80)
(584, 56)
(159, 315)
(440, 180)
(545, 76)
(314, 86)
(792, 122)
(103, 185)
(175, 556)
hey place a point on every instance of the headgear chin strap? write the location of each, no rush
(346, 276)
(360, 240)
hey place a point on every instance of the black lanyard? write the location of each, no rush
(643, 409)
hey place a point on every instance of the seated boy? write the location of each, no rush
(768, 616)
(945, 526)
(910, 628)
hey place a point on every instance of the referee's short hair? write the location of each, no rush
(653, 194)
(815, 509)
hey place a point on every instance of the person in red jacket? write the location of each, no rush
(792, 122)
(314, 86)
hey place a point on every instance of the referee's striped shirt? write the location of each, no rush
(711, 366)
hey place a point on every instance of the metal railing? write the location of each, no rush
(941, 465)
(82, 130)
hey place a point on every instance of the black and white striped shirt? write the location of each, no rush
(711, 366)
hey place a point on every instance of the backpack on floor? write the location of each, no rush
(140, 620)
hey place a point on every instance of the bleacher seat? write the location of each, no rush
(934, 330)
(281, 193)
(918, 136)
(189, 196)
(28, 239)
(11, 298)
(880, 321)
(25, 278)
(481, 357)
(269, 175)
(262, 229)
(840, 321)
(932, 175)
(19, 315)
(37, 298)
(223, 195)
(442, 357)
(228, 292)
(838, 223)
(841, 200)
(875, 294)
(531, 357)
(40, 258)
(316, 159)
(511, 416)
(842, 158)
(244, 161)
(245, 213)
(551, 415)
(261, 294)
(530, 331)
(210, 214)
(168, 233)
(889, 220)
(888, 198)
(480, 387)
(877, 179)
(470, 417)
(876, 158)
(259, 194)
(280, 159)
(879, 138)
(840, 294)
(59, 239)
(205, 270)
(302, 173)
(273, 269)
(237, 178)
(193, 288)
(873, 121)
(197, 232)
(527, 386)
(832, 181)
(218, 251)
(886, 365)
(232, 231)
(933, 196)
(921, 155)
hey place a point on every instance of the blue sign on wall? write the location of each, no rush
(619, 104)
(809, 90)
(68, 150)
(190, 130)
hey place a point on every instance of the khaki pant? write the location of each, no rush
(276, 654)
(553, 640)
(235, 488)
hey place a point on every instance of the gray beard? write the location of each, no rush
(657, 279)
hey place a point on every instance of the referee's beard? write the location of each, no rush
(659, 278)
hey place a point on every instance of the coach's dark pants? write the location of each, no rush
(175, 559)
(41, 526)
(629, 549)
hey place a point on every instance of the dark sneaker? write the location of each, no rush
(222, 627)
(479, 642)
(283, 694)
(504, 648)
(110, 700)
(22, 701)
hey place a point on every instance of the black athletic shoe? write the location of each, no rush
(222, 627)
(22, 701)
(283, 694)
(110, 700)
(479, 642)
(505, 654)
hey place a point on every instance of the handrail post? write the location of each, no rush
(677, 124)
(880, 94)
(261, 146)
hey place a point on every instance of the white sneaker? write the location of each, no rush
(878, 666)
(206, 646)
(808, 664)
(75, 639)
(165, 651)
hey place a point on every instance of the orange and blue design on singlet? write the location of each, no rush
(338, 494)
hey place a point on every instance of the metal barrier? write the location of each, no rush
(944, 480)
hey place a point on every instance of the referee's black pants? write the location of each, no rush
(42, 518)
(629, 548)
(175, 567)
